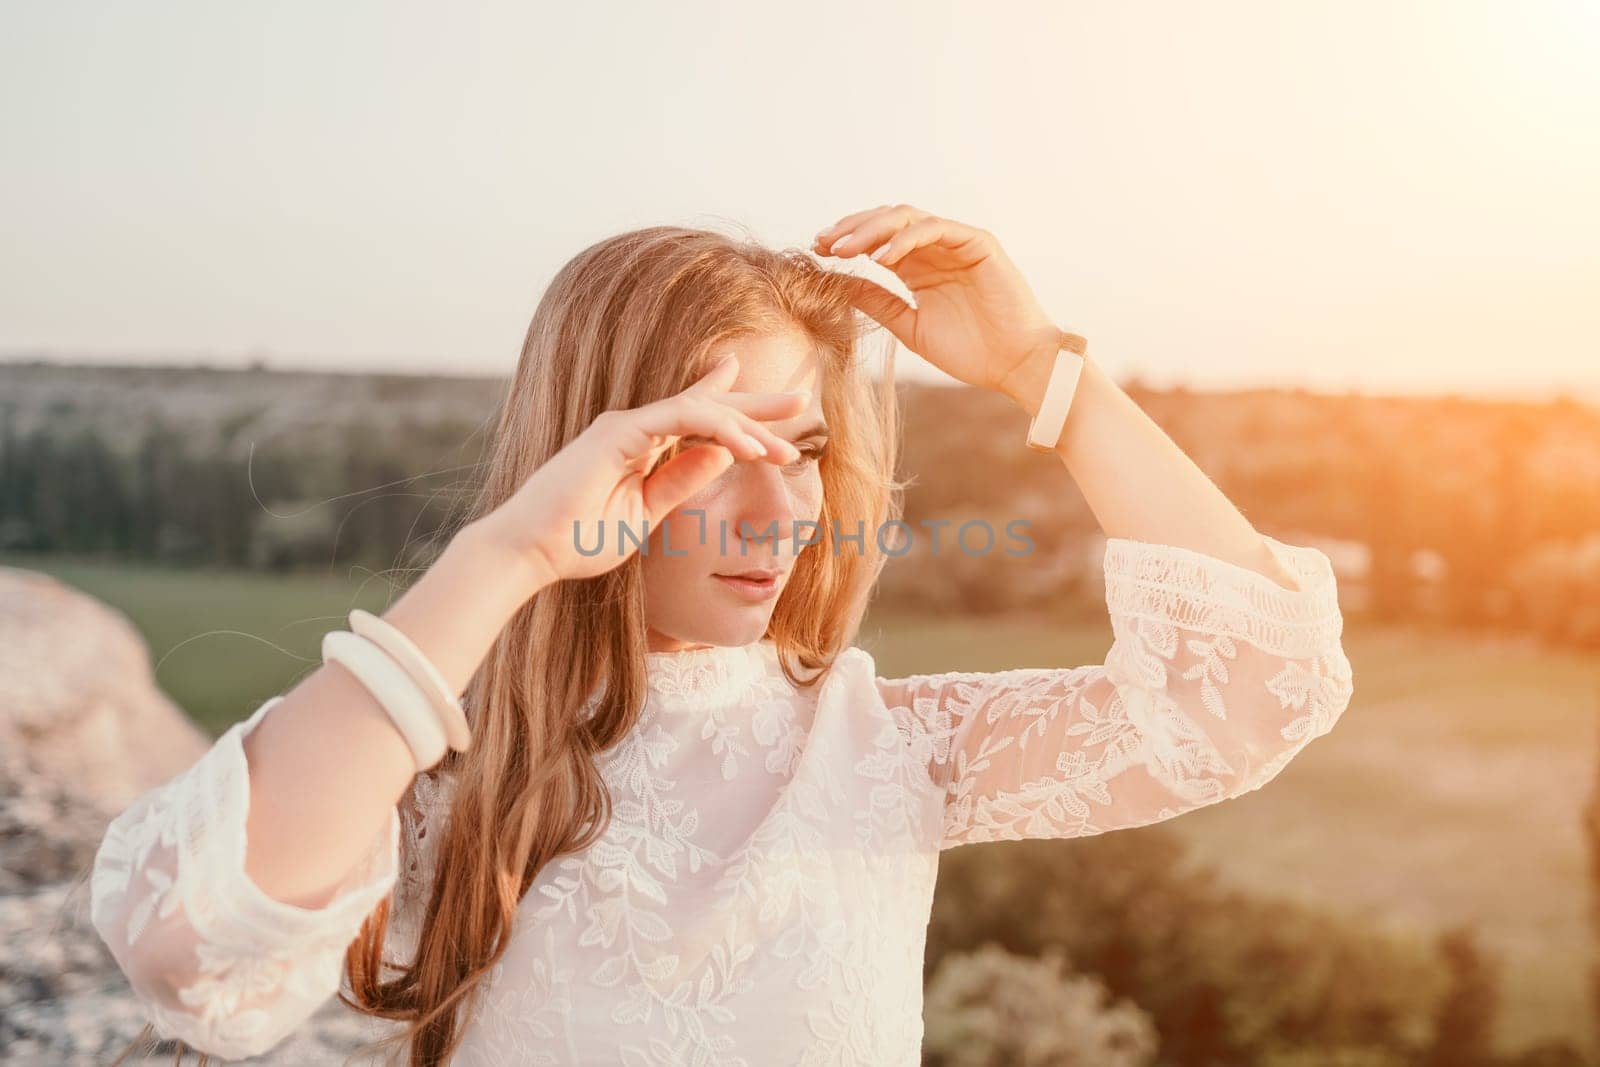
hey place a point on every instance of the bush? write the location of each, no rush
(1227, 978)
(990, 1008)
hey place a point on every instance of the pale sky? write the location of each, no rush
(1379, 196)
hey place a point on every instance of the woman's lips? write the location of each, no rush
(753, 588)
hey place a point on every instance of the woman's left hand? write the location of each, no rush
(976, 316)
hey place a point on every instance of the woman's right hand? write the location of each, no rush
(598, 479)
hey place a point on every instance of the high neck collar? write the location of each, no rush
(716, 672)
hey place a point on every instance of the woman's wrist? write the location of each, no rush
(1025, 383)
(456, 610)
(1095, 390)
(526, 568)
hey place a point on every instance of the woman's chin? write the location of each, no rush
(738, 627)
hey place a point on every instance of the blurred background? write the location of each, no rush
(266, 270)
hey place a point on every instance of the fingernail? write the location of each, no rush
(840, 241)
(756, 443)
(880, 253)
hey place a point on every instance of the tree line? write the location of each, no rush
(1473, 513)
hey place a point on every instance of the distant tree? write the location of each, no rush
(1389, 536)
(1464, 1025)
(1591, 826)
(1552, 1052)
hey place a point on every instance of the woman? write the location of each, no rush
(694, 825)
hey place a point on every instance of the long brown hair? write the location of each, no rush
(627, 321)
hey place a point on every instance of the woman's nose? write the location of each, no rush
(765, 503)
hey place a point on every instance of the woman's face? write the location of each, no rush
(687, 604)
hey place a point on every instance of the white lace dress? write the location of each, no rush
(762, 893)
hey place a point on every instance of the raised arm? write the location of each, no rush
(228, 894)
(1215, 679)
(1226, 656)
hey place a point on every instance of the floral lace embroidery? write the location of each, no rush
(1034, 753)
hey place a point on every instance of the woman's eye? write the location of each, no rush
(808, 454)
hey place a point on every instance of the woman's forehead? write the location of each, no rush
(773, 362)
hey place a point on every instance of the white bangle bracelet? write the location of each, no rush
(405, 652)
(401, 698)
(1044, 432)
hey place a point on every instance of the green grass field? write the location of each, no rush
(221, 642)
(1451, 791)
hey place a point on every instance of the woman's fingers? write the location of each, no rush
(749, 409)
(681, 477)
(920, 234)
(765, 405)
(639, 429)
(880, 228)
(715, 386)
(856, 233)
(719, 378)
(773, 446)
(829, 234)
(716, 382)
(706, 409)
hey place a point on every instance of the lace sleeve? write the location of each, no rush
(1216, 677)
(215, 961)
